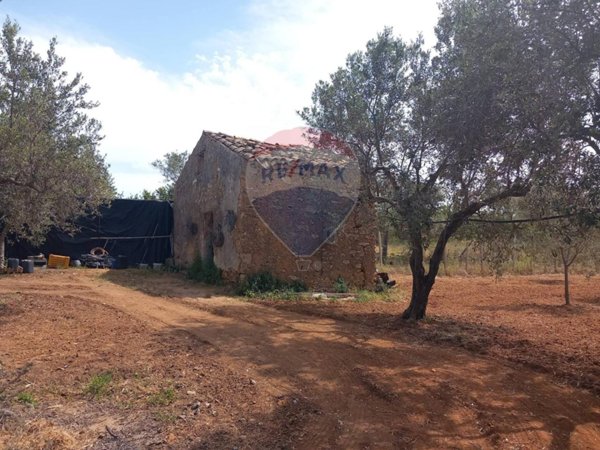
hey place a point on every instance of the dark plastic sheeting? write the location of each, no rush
(138, 229)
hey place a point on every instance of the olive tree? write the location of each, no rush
(455, 135)
(50, 169)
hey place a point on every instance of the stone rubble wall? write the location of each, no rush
(350, 254)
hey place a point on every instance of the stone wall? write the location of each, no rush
(213, 218)
(350, 254)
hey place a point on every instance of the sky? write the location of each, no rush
(164, 71)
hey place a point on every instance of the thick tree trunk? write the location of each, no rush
(422, 283)
(419, 298)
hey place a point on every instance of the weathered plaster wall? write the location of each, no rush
(206, 203)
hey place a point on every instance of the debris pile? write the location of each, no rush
(97, 258)
(383, 282)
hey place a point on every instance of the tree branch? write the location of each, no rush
(14, 182)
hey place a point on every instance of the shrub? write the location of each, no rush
(204, 271)
(340, 286)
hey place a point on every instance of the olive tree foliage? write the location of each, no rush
(567, 196)
(458, 134)
(50, 168)
(170, 167)
(568, 31)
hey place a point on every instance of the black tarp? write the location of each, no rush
(139, 229)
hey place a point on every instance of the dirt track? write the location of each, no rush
(271, 378)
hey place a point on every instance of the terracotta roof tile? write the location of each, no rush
(245, 147)
(253, 149)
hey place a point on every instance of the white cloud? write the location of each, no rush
(247, 82)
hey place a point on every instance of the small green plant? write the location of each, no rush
(98, 385)
(384, 296)
(163, 397)
(204, 271)
(265, 284)
(340, 286)
(165, 417)
(26, 398)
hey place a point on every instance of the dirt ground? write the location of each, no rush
(497, 365)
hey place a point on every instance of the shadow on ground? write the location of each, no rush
(347, 386)
(163, 284)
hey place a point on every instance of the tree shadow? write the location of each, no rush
(557, 310)
(349, 386)
(579, 369)
(163, 284)
(546, 282)
(592, 300)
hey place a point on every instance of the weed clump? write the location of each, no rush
(98, 385)
(162, 398)
(340, 286)
(26, 398)
(265, 284)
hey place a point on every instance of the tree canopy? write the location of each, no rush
(50, 169)
(170, 167)
(500, 107)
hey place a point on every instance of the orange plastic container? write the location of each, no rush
(58, 262)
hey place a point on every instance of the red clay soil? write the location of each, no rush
(190, 368)
(522, 319)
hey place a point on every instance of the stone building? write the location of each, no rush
(293, 211)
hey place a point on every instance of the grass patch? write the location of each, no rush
(98, 385)
(27, 398)
(285, 295)
(165, 417)
(164, 397)
(390, 296)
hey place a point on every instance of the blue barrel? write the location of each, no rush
(13, 263)
(27, 265)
